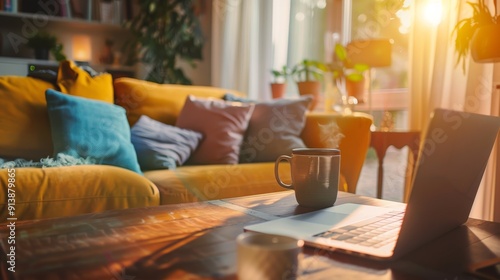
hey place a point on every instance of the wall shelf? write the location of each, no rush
(19, 66)
(17, 27)
(41, 21)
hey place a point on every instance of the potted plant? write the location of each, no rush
(278, 83)
(347, 75)
(308, 74)
(164, 33)
(57, 52)
(478, 34)
(44, 43)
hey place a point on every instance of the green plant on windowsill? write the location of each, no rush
(280, 75)
(343, 68)
(308, 70)
(478, 34)
(308, 75)
(278, 82)
(348, 76)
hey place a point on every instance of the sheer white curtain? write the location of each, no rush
(241, 46)
(306, 34)
(435, 81)
(254, 36)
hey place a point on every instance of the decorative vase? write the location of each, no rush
(278, 90)
(310, 87)
(485, 44)
(356, 89)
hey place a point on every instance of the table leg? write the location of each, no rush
(380, 177)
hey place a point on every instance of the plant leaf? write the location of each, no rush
(361, 67)
(355, 77)
(341, 52)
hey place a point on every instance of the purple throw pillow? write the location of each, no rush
(223, 125)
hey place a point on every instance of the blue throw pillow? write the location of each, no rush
(84, 128)
(160, 145)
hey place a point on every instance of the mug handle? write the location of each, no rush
(276, 171)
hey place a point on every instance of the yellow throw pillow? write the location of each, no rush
(161, 102)
(74, 80)
(24, 121)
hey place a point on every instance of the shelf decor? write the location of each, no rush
(44, 43)
(165, 32)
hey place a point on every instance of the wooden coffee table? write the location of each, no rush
(197, 241)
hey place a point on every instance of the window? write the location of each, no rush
(306, 29)
(386, 19)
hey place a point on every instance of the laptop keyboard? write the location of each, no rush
(375, 232)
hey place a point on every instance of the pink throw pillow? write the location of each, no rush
(223, 125)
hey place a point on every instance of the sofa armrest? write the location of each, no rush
(321, 130)
(72, 190)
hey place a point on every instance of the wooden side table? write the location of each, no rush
(381, 140)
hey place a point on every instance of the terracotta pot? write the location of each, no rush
(356, 89)
(310, 87)
(278, 90)
(485, 44)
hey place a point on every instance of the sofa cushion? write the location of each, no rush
(84, 128)
(208, 182)
(160, 146)
(162, 102)
(76, 81)
(73, 190)
(274, 128)
(24, 122)
(222, 124)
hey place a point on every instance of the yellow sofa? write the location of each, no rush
(72, 190)
(205, 182)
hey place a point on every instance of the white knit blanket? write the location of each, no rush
(59, 160)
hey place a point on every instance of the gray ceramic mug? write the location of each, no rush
(315, 175)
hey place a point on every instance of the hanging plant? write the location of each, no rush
(163, 33)
(466, 28)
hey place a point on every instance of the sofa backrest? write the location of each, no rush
(162, 102)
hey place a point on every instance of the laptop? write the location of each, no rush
(450, 167)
